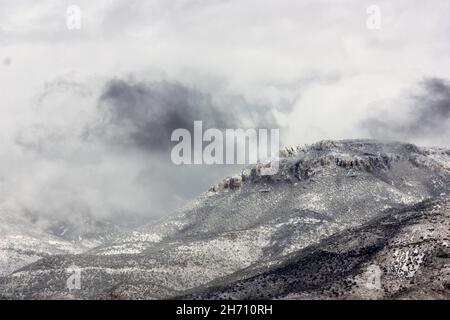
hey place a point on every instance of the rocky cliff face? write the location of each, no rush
(249, 224)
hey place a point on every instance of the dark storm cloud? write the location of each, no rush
(427, 116)
(146, 113)
(435, 105)
(108, 127)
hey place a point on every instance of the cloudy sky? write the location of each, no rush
(86, 114)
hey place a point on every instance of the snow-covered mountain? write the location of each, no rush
(403, 254)
(25, 238)
(21, 243)
(249, 222)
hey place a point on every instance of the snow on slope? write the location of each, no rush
(320, 190)
(402, 255)
(21, 244)
(25, 238)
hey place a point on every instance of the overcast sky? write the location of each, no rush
(84, 114)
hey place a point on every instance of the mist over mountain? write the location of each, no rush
(424, 115)
(91, 92)
(249, 224)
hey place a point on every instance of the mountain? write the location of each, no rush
(403, 254)
(21, 244)
(28, 237)
(250, 225)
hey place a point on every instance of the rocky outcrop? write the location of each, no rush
(401, 255)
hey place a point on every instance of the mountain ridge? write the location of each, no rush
(320, 190)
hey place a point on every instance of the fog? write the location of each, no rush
(86, 115)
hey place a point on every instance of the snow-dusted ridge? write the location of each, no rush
(320, 190)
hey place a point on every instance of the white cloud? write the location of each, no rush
(314, 62)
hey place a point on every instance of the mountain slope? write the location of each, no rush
(21, 244)
(403, 254)
(249, 219)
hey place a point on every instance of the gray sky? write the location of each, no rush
(76, 135)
